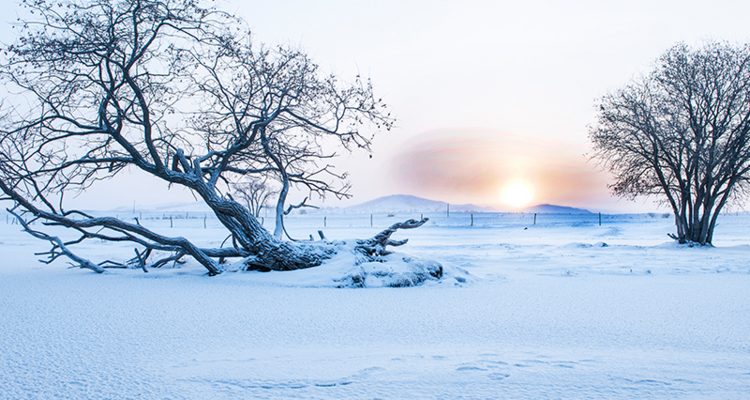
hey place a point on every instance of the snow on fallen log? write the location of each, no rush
(357, 263)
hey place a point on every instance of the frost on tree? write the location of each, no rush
(180, 92)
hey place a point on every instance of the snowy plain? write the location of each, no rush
(562, 308)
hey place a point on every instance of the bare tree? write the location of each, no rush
(108, 85)
(255, 193)
(299, 166)
(275, 98)
(682, 133)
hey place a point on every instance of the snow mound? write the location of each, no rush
(395, 271)
(349, 269)
(577, 245)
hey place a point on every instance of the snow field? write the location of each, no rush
(546, 312)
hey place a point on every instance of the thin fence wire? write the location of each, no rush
(322, 221)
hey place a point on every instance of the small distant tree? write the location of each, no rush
(256, 195)
(681, 133)
(299, 166)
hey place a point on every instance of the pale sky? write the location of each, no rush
(509, 85)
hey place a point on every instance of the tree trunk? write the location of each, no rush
(267, 253)
(289, 256)
(278, 232)
(681, 225)
(715, 216)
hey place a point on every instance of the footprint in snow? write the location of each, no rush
(470, 368)
(364, 373)
(332, 384)
(497, 376)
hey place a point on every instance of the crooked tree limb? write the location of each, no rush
(270, 255)
(58, 247)
(175, 257)
(300, 205)
(376, 246)
(288, 210)
(144, 236)
(142, 258)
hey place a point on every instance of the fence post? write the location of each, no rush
(448, 211)
(171, 225)
(600, 219)
(371, 220)
(324, 221)
(472, 219)
(204, 222)
(534, 218)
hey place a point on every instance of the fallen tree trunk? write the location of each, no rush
(261, 252)
(289, 256)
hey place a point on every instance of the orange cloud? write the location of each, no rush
(476, 165)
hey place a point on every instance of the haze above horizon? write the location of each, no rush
(489, 95)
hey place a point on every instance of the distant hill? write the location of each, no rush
(398, 203)
(553, 209)
(408, 203)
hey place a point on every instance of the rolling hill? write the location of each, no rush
(408, 203)
(553, 209)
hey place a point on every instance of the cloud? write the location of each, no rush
(476, 165)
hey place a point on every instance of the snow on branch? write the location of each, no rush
(376, 246)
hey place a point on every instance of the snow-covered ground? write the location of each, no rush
(563, 308)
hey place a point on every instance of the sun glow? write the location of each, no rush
(517, 194)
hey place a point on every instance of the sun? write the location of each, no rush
(517, 195)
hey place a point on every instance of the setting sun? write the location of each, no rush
(517, 195)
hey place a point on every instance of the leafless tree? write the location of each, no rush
(303, 114)
(682, 133)
(255, 193)
(102, 85)
(299, 166)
